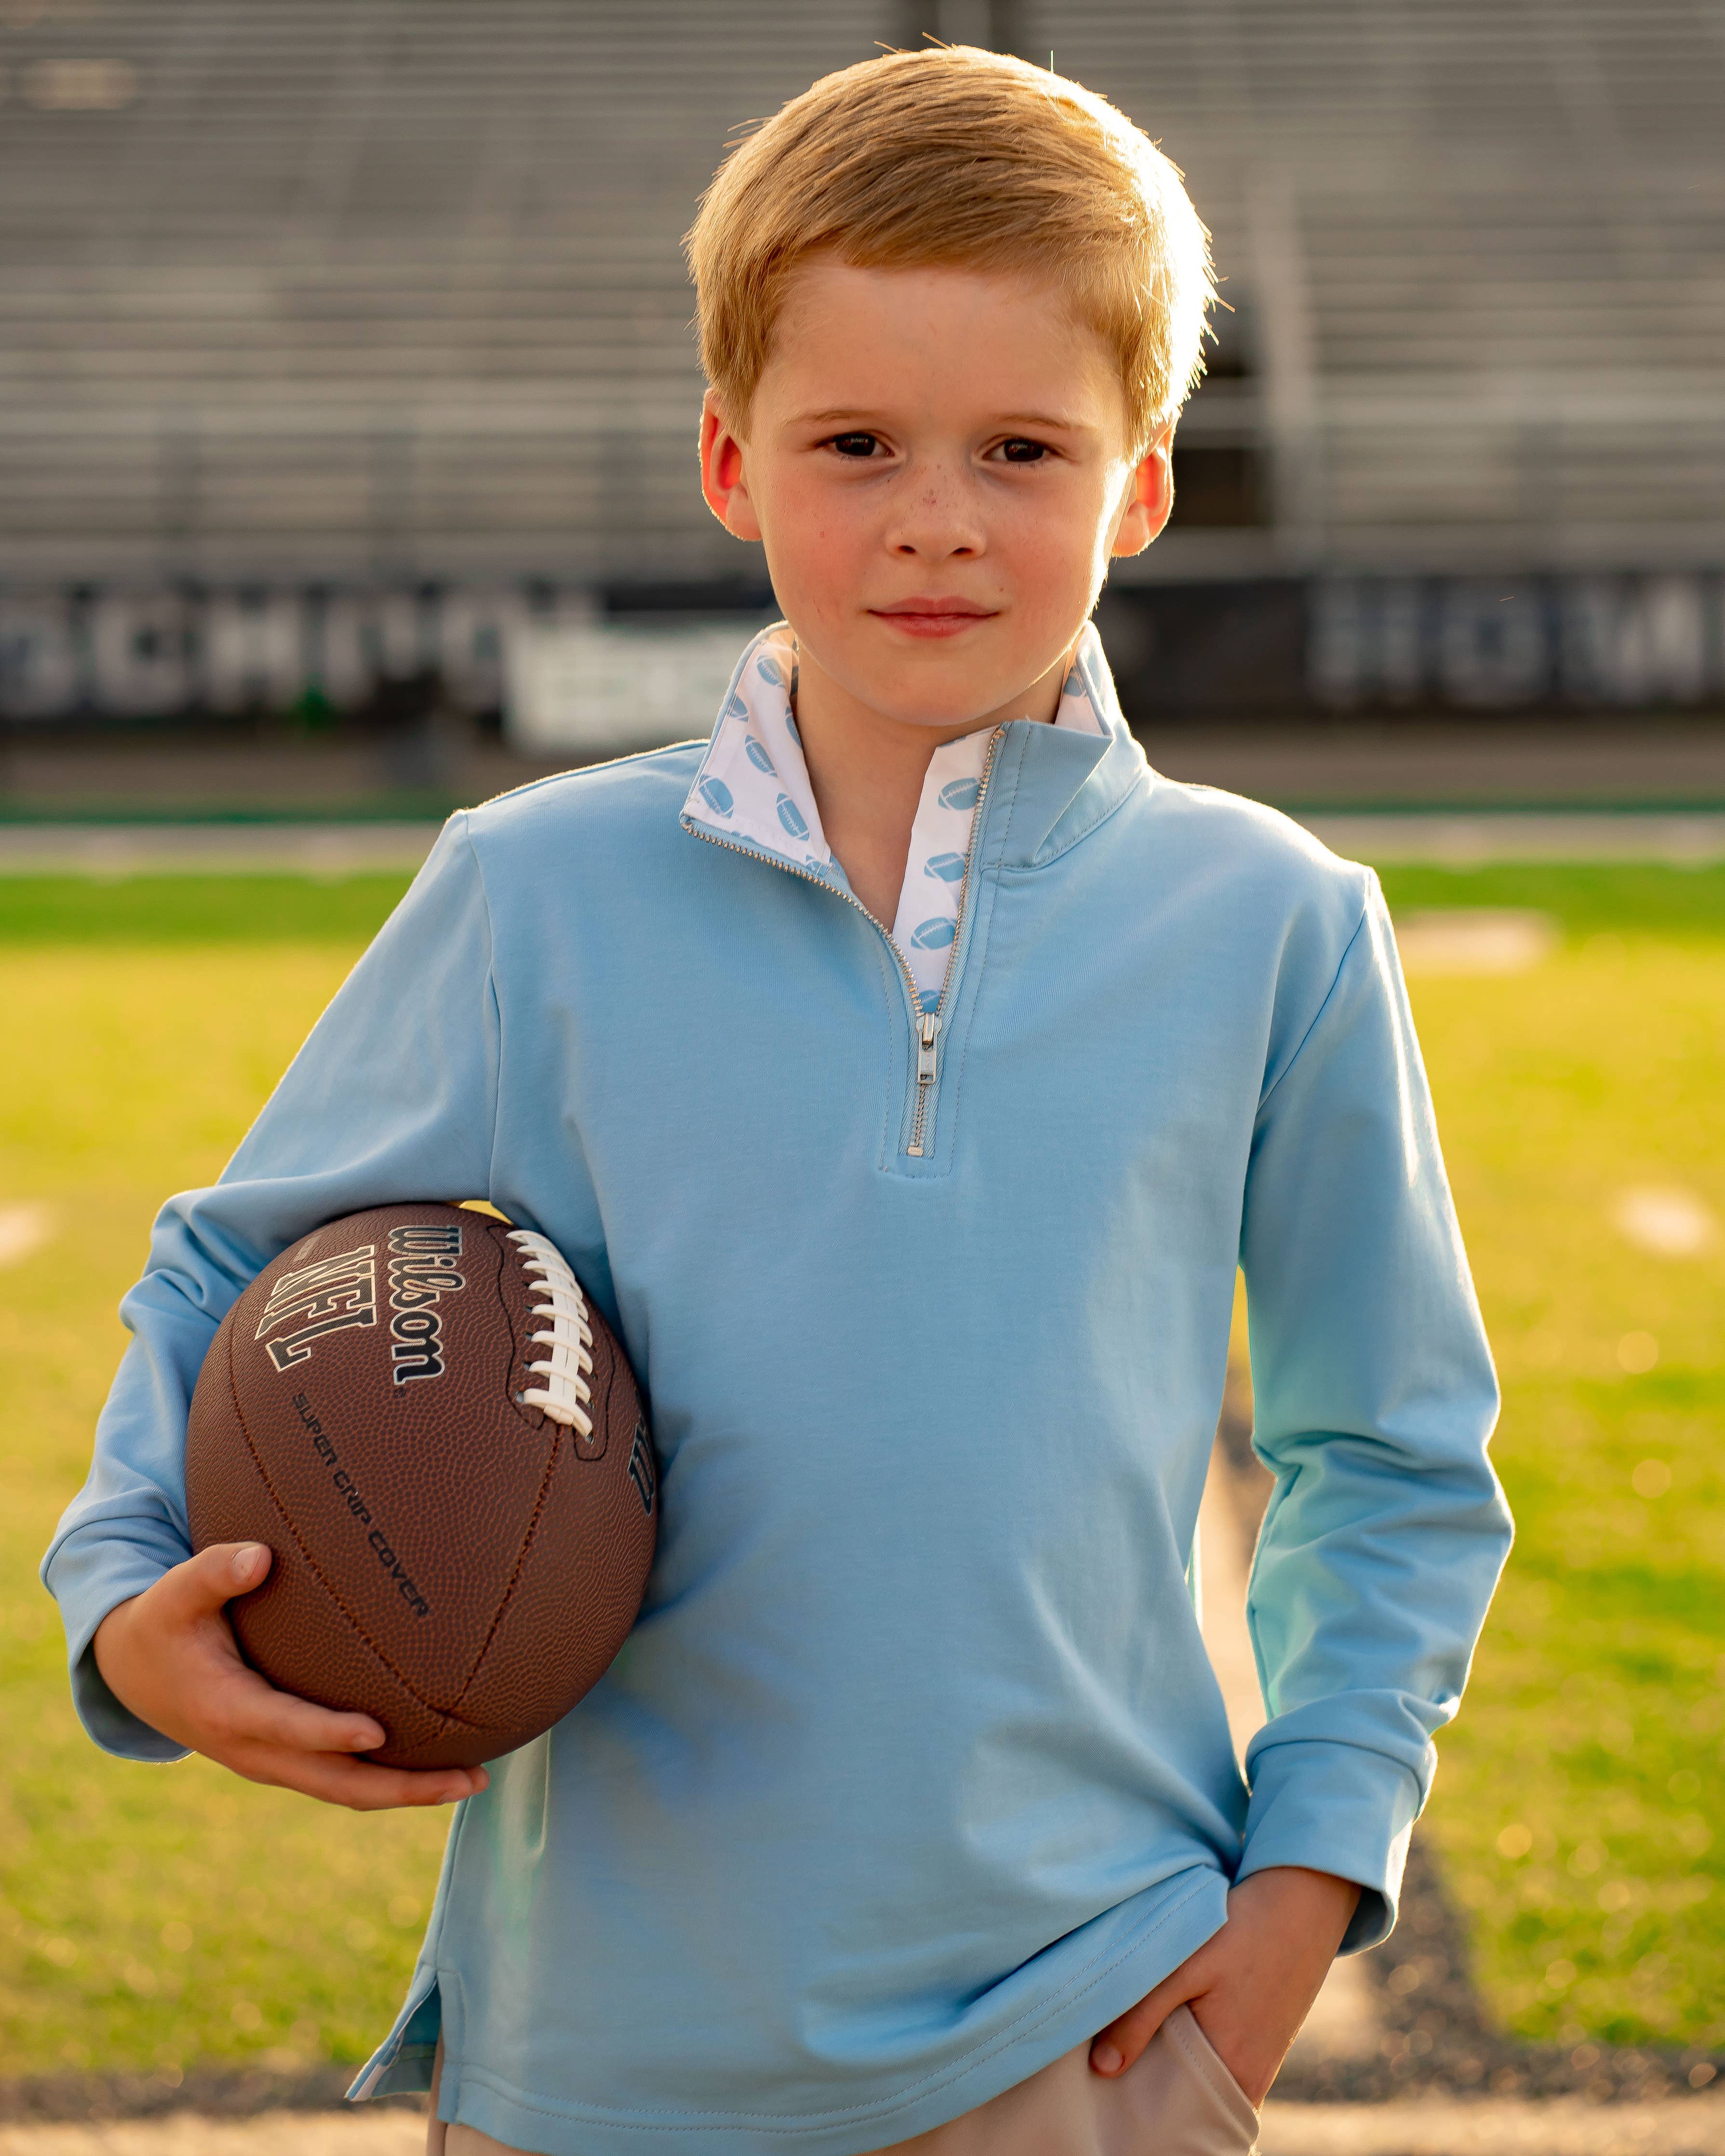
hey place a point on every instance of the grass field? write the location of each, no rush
(150, 1917)
(1579, 1800)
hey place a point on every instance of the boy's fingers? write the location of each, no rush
(271, 1735)
(357, 1786)
(257, 1713)
(1121, 2043)
(360, 1787)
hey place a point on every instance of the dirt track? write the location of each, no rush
(1424, 2127)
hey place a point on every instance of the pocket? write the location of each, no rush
(1226, 2114)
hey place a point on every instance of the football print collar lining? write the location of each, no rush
(753, 790)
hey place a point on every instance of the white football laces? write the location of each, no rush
(565, 1395)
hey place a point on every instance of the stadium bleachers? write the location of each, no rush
(314, 289)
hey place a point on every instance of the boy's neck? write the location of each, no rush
(867, 770)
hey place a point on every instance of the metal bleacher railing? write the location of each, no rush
(328, 288)
(1479, 240)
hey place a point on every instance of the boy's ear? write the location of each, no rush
(1151, 501)
(722, 481)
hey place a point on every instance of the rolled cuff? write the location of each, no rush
(88, 1575)
(1336, 1808)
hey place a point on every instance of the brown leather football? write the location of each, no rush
(422, 1414)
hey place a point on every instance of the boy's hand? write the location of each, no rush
(1250, 1986)
(169, 1655)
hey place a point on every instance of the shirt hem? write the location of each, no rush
(1119, 1975)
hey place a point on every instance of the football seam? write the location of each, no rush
(558, 1441)
(411, 1691)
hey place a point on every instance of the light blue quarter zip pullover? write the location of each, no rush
(913, 1773)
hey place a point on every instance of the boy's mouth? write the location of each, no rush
(937, 616)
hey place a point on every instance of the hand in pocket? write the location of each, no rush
(1250, 1987)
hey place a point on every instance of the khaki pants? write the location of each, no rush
(1177, 2099)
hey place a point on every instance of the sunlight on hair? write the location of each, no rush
(954, 157)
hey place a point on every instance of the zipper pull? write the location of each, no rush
(925, 1048)
(929, 1027)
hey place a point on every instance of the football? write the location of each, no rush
(419, 1411)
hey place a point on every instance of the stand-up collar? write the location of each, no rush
(1053, 787)
(753, 788)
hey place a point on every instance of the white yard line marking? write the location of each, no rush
(120, 849)
(1474, 940)
(23, 1230)
(1687, 841)
(108, 851)
(1667, 1220)
(184, 2133)
(1344, 2021)
(1442, 2126)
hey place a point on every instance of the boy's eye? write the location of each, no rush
(1018, 451)
(855, 445)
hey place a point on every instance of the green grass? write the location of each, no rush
(153, 1916)
(156, 910)
(150, 1916)
(1584, 897)
(153, 909)
(1579, 1801)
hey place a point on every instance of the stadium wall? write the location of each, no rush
(131, 655)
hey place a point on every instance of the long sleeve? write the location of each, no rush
(1375, 1399)
(392, 1098)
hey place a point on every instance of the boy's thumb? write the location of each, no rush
(217, 1575)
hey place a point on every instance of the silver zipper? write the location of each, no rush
(927, 1073)
(926, 1025)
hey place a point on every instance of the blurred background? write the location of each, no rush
(348, 403)
(348, 386)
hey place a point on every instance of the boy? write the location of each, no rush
(904, 1071)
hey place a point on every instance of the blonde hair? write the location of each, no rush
(956, 156)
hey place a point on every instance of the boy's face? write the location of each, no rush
(937, 463)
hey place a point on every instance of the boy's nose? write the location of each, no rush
(937, 523)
